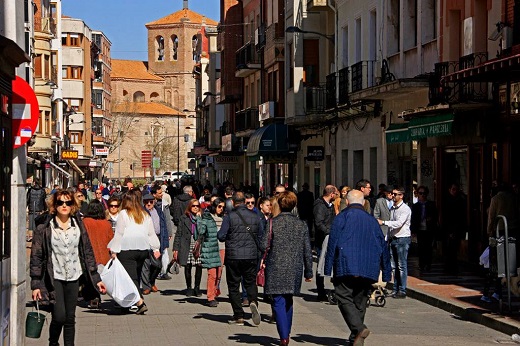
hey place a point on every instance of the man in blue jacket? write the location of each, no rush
(357, 250)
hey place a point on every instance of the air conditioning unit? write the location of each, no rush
(260, 36)
(507, 37)
(266, 110)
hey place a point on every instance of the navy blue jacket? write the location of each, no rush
(163, 236)
(357, 246)
(240, 244)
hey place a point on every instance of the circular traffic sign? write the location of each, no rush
(26, 112)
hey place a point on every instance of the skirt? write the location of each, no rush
(191, 259)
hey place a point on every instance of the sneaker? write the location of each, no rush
(212, 303)
(237, 322)
(399, 295)
(495, 296)
(190, 292)
(255, 314)
(164, 277)
(141, 309)
(245, 303)
(485, 299)
(360, 338)
(133, 308)
(197, 292)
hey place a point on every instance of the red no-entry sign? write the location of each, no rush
(26, 112)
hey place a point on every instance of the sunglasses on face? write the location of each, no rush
(220, 206)
(80, 196)
(196, 206)
(149, 201)
(250, 203)
(59, 203)
(114, 205)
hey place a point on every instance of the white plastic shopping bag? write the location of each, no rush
(119, 284)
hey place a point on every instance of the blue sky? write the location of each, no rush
(123, 21)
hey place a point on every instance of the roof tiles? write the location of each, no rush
(132, 69)
(179, 17)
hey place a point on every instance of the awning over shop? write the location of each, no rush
(272, 139)
(76, 168)
(64, 172)
(397, 133)
(435, 126)
(419, 128)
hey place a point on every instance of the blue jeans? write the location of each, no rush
(283, 311)
(399, 259)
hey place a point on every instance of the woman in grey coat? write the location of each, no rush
(289, 257)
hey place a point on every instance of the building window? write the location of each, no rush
(154, 96)
(75, 137)
(290, 66)
(196, 47)
(139, 96)
(74, 40)
(159, 45)
(64, 72)
(175, 47)
(393, 27)
(38, 66)
(76, 72)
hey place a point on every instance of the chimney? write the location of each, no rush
(185, 4)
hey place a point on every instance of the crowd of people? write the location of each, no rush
(358, 238)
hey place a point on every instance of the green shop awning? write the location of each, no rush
(435, 126)
(397, 133)
(269, 140)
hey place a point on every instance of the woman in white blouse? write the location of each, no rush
(133, 238)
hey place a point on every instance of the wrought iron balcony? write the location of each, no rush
(362, 74)
(315, 100)
(330, 94)
(248, 56)
(442, 91)
(246, 119)
(343, 86)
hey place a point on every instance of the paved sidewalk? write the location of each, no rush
(460, 295)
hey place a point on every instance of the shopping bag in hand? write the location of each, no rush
(119, 284)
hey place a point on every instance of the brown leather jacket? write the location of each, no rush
(41, 269)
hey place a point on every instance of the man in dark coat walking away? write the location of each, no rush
(36, 204)
(241, 230)
(180, 202)
(357, 250)
(323, 217)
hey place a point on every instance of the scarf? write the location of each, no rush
(193, 220)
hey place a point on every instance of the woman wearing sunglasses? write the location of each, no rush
(184, 243)
(210, 255)
(61, 253)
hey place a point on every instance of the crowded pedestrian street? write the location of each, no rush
(174, 319)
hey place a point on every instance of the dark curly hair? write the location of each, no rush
(95, 210)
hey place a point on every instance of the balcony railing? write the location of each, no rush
(449, 92)
(247, 55)
(330, 94)
(246, 119)
(315, 100)
(362, 75)
(472, 91)
(343, 86)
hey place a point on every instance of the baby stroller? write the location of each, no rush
(378, 296)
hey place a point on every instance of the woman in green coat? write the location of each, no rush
(209, 254)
